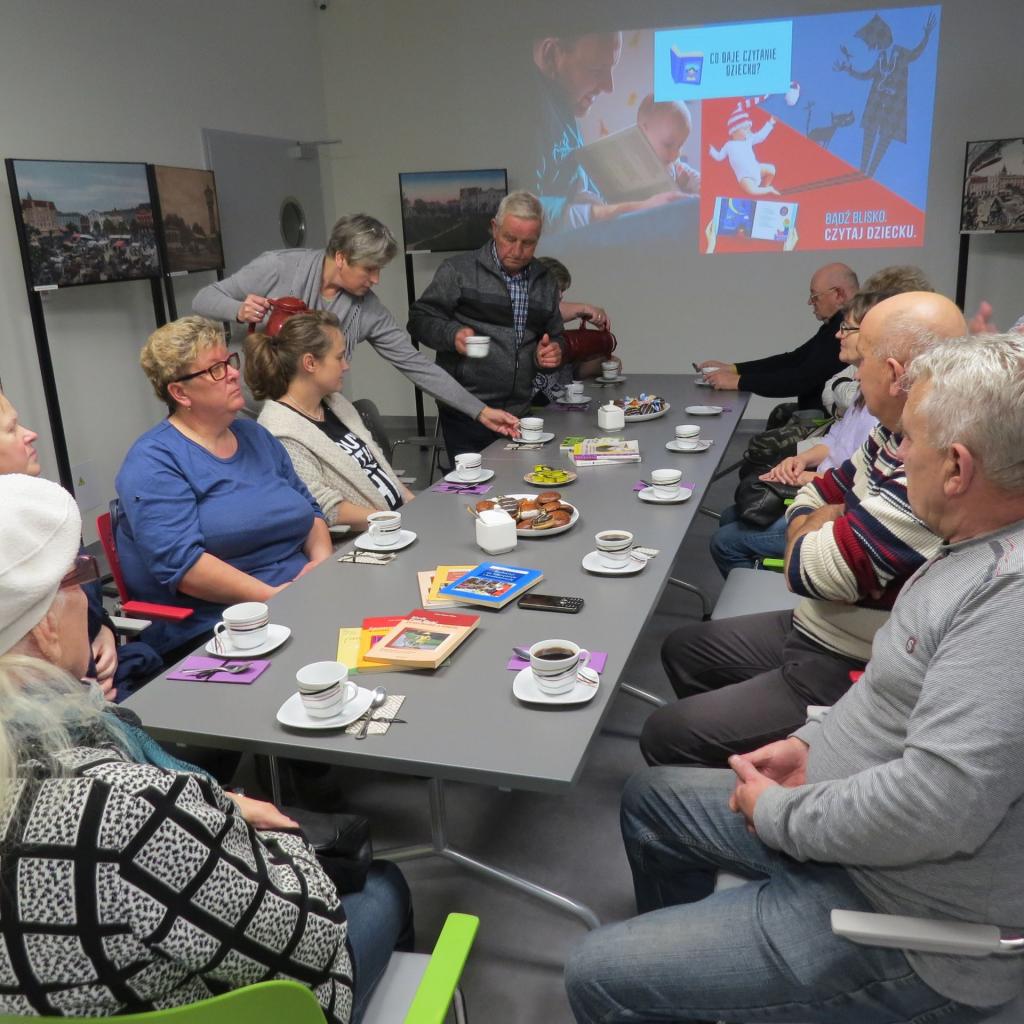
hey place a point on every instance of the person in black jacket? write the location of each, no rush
(805, 370)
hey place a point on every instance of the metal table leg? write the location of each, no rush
(439, 847)
(635, 691)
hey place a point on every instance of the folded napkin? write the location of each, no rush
(194, 662)
(597, 661)
(524, 446)
(642, 485)
(380, 721)
(445, 487)
(368, 557)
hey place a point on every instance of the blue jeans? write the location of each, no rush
(376, 918)
(736, 544)
(761, 952)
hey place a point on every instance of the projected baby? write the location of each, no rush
(754, 177)
(667, 126)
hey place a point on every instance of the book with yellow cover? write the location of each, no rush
(443, 575)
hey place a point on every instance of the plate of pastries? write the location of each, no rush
(536, 515)
(643, 407)
(549, 476)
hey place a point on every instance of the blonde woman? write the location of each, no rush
(299, 373)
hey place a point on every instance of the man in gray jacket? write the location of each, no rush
(341, 280)
(502, 292)
(907, 797)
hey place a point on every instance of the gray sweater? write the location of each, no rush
(915, 777)
(468, 290)
(299, 272)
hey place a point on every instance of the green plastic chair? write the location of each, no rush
(415, 988)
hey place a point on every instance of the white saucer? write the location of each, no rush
(543, 439)
(276, 635)
(704, 410)
(582, 400)
(293, 712)
(526, 689)
(593, 563)
(405, 538)
(697, 445)
(454, 478)
(617, 379)
(647, 494)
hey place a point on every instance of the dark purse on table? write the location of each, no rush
(761, 502)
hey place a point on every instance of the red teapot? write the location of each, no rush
(280, 310)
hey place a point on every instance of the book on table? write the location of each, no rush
(424, 638)
(492, 584)
(439, 576)
(605, 451)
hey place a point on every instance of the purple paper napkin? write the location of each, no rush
(597, 661)
(253, 670)
(640, 485)
(444, 487)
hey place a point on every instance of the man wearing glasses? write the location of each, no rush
(804, 371)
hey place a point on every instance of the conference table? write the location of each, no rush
(462, 721)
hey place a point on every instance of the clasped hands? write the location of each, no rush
(783, 763)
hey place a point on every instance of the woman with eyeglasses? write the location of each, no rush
(211, 510)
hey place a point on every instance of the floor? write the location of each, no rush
(568, 842)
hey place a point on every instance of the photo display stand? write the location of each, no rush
(41, 217)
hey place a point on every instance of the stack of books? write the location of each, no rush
(432, 580)
(491, 584)
(604, 451)
(422, 638)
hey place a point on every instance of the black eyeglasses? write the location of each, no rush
(85, 570)
(845, 328)
(217, 370)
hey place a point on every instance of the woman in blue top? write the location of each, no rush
(212, 512)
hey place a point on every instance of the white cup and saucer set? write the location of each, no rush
(688, 439)
(572, 394)
(614, 555)
(664, 488)
(245, 631)
(384, 533)
(326, 698)
(611, 372)
(531, 431)
(557, 674)
(469, 470)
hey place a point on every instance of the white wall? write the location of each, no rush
(130, 80)
(434, 86)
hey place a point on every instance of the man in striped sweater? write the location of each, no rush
(852, 542)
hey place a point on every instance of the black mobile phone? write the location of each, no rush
(551, 603)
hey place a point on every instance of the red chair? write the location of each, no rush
(140, 609)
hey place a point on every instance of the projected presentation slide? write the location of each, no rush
(811, 133)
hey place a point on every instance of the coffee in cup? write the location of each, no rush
(384, 528)
(243, 626)
(477, 346)
(554, 664)
(467, 465)
(613, 547)
(666, 482)
(531, 428)
(325, 688)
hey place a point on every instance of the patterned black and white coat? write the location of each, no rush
(124, 888)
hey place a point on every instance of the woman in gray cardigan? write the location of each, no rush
(298, 373)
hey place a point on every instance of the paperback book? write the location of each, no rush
(605, 451)
(492, 585)
(424, 639)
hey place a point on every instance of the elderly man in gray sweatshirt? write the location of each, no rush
(905, 798)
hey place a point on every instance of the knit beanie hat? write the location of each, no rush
(739, 118)
(41, 529)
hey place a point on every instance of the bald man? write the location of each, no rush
(804, 371)
(851, 543)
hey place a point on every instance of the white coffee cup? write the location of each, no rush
(325, 688)
(574, 390)
(467, 465)
(531, 428)
(245, 625)
(666, 482)
(613, 548)
(384, 528)
(554, 664)
(477, 346)
(610, 368)
(687, 430)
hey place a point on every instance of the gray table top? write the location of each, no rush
(463, 721)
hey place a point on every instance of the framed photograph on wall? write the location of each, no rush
(993, 192)
(83, 222)
(189, 219)
(449, 211)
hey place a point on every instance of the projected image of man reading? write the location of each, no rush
(809, 133)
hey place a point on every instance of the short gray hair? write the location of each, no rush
(976, 399)
(363, 240)
(520, 204)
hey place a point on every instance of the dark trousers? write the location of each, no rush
(743, 682)
(461, 434)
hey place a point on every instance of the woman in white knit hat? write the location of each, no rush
(96, 840)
